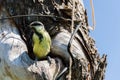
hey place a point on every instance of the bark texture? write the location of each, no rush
(61, 19)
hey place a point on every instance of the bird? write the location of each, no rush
(41, 40)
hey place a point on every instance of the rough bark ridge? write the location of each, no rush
(61, 19)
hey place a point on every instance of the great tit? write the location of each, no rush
(41, 40)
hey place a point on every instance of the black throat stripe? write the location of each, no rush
(39, 35)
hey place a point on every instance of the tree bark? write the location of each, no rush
(61, 18)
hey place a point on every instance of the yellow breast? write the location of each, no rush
(41, 48)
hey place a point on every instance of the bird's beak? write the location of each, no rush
(32, 28)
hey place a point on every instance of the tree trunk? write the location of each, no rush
(66, 22)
